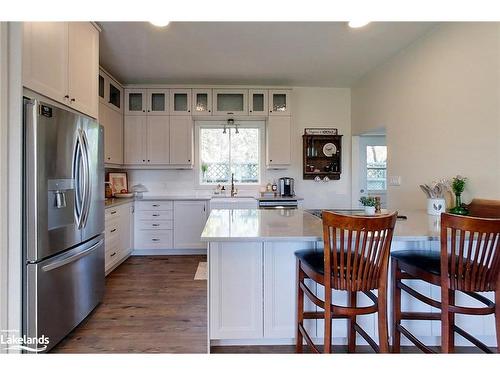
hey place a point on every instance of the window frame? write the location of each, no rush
(200, 124)
(379, 191)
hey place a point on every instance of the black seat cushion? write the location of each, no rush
(313, 259)
(426, 260)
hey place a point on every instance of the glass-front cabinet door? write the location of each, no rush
(115, 96)
(180, 102)
(135, 102)
(257, 102)
(102, 85)
(202, 102)
(230, 102)
(158, 102)
(279, 102)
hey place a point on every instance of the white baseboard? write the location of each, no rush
(142, 252)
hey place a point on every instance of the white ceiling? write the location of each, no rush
(326, 54)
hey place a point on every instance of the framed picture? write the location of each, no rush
(118, 181)
(321, 131)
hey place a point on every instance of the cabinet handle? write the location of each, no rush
(189, 161)
(149, 161)
(143, 110)
(270, 160)
(143, 160)
(156, 215)
(189, 110)
(155, 239)
(73, 99)
(112, 255)
(155, 205)
(209, 111)
(250, 111)
(271, 111)
(109, 158)
(149, 110)
(112, 230)
(66, 96)
(155, 225)
(113, 212)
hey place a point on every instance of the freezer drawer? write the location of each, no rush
(63, 290)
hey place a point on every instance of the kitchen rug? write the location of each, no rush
(201, 271)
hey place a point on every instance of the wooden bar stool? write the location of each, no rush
(469, 262)
(355, 259)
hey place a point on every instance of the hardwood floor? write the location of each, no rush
(151, 305)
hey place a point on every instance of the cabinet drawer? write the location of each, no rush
(154, 215)
(112, 212)
(155, 205)
(155, 224)
(111, 257)
(154, 239)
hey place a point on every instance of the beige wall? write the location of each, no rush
(439, 102)
(311, 107)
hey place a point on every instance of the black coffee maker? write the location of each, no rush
(287, 187)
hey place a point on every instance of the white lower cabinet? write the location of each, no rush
(236, 276)
(189, 220)
(118, 235)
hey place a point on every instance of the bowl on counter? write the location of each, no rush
(124, 195)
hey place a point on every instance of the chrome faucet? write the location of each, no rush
(233, 190)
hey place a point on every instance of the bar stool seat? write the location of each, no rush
(426, 260)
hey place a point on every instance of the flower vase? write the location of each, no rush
(459, 209)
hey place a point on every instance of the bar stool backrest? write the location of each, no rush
(484, 208)
(470, 253)
(356, 250)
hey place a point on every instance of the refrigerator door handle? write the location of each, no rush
(71, 258)
(87, 181)
(77, 176)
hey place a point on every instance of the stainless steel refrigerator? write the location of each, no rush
(63, 219)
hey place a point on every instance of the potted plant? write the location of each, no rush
(369, 203)
(458, 187)
(204, 169)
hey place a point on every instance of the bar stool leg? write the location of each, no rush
(396, 306)
(351, 338)
(447, 336)
(497, 318)
(328, 320)
(383, 333)
(300, 309)
(451, 301)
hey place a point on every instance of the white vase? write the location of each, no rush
(370, 210)
(435, 206)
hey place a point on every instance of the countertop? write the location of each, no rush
(113, 202)
(299, 225)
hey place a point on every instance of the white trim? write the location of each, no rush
(3, 174)
(250, 123)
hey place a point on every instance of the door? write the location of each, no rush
(181, 140)
(93, 220)
(279, 103)
(257, 103)
(278, 140)
(158, 102)
(51, 186)
(135, 136)
(370, 173)
(230, 102)
(83, 67)
(189, 220)
(202, 102)
(135, 102)
(45, 59)
(63, 290)
(112, 121)
(180, 102)
(158, 135)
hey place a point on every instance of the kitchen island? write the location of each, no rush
(252, 278)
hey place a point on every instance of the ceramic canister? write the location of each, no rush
(435, 206)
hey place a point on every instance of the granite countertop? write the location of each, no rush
(299, 225)
(113, 202)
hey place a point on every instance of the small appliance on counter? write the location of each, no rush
(286, 187)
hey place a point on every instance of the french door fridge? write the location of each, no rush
(63, 220)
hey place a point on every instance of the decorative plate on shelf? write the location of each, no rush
(329, 149)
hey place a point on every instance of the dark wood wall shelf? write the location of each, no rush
(322, 156)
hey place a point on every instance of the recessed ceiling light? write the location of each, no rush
(159, 23)
(358, 24)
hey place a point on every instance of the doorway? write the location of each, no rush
(369, 164)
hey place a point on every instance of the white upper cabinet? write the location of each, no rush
(180, 102)
(112, 121)
(61, 61)
(157, 102)
(110, 92)
(135, 140)
(279, 102)
(135, 101)
(278, 137)
(83, 68)
(202, 102)
(230, 102)
(158, 135)
(45, 59)
(257, 102)
(181, 140)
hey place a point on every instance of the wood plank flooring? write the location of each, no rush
(151, 305)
